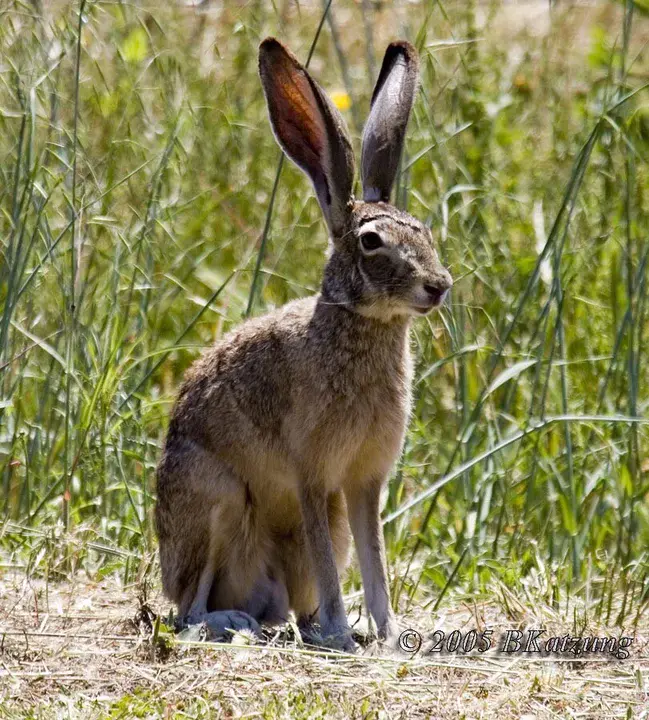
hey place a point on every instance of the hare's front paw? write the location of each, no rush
(339, 637)
(388, 633)
(342, 641)
(335, 639)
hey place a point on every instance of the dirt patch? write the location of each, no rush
(83, 649)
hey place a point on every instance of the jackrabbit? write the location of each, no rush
(284, 433)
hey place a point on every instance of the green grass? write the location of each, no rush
(137, 168)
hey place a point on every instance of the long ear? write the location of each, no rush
(385, 130)
(309, 129)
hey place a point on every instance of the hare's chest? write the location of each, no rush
(369, 429)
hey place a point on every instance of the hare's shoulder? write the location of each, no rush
(253, 365)
(261, 340)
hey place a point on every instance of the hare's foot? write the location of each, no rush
(309, 632)
(341, 640)
(388, 633)
(224, 623)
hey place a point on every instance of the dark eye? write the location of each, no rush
(371, 241)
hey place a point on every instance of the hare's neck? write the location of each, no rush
(376, 343)
(349, 334)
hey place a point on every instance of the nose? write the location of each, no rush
(437, 287)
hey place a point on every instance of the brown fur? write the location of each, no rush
(285, 431)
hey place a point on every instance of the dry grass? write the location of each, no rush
(83, 649)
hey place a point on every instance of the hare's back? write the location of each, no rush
(245, 380)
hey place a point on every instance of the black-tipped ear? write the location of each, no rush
(309, 129)
(385, 129)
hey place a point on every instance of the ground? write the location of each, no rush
(78, 649)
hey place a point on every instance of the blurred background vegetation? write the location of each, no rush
(136, 170)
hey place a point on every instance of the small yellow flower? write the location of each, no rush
(341, 100)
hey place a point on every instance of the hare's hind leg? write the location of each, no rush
(248, 576)
(268, 600)
(195, 495)
(221, 599)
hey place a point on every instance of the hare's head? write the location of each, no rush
(382, 263)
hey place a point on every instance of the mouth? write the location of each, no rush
(435, 303)
(423, 310)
